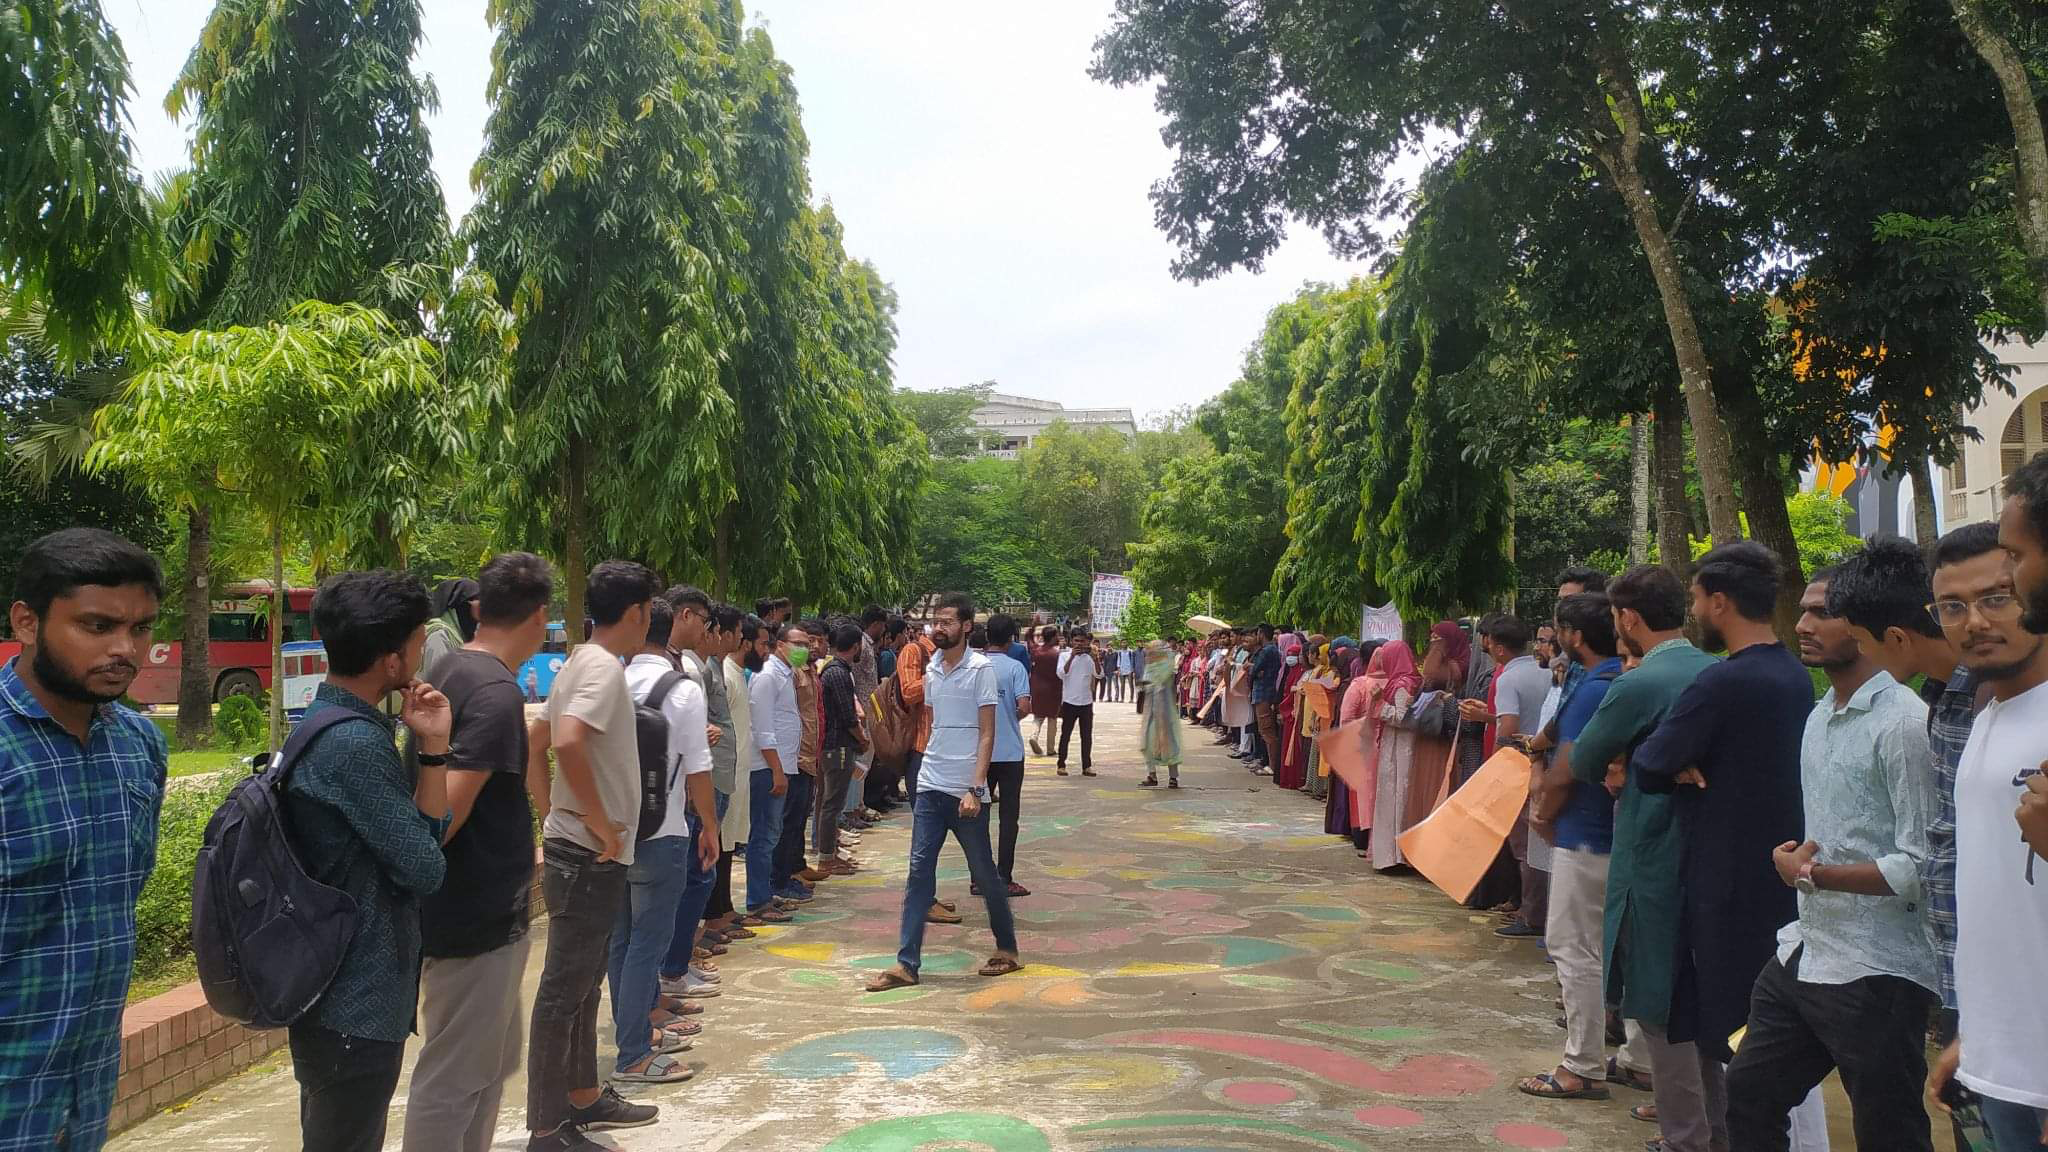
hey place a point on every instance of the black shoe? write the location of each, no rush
(613, 1111)
(567, 1138)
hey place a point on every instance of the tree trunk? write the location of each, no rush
(1639, 488)
(1763, 499)
(384, 540)
(1926, 530)
(1710, 436)
(277, 602)
(195, 671)
(721, 552)
(1667, 429)
(578, 575)
(2029, 139)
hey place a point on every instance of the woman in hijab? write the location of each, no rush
(454, 622)
(1161, 724)
(1396, 682)
(1290, 765)
(1351, 662)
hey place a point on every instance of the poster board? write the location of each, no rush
(1106, 603)
(1458, 843)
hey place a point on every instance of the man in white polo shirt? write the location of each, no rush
(961, 694)
(1077, 699)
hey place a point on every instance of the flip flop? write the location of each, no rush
(1647, 1113)
(1546, 1087)
(1000, 965)
(889, 981)
(661, 1069)
(1627, 1077)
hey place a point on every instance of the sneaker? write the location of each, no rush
(674, 986)
(705, 975)
(1035, 749)
(940, 914)
(1516, 930)
(1173, 783)
(612, 1111)
(1017, 889)
(1088, 772)
(1149, 782)
(567, 1138)
(695, 989)
(794, 895)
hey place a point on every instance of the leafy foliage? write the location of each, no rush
(1081, 489)
(163, 914)
(1140, 624)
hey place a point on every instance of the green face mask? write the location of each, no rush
(799, 656)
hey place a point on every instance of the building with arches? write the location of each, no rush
(2011, 428)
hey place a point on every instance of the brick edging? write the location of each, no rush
(175, 1045)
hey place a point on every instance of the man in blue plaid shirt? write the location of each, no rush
(81, 782)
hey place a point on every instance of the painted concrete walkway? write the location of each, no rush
(1207, 970)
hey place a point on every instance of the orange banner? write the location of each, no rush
(1456, 845)
(1344, 749)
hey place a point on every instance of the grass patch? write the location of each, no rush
(208, 760)
(173, 973)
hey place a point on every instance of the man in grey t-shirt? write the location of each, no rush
(1518, 697)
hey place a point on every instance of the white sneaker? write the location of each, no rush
(670, 986)
(702, 976)
(699, 989)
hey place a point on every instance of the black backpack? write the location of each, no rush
(656, 775)
(268, 937)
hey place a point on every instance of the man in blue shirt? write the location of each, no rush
(1266, 668)
(1580, 818)
(1006, 768)
(82, 780)
(961, 694)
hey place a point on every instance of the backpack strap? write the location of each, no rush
(302, 737)
(655, 698)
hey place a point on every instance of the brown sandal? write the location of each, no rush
(889, 981)
(1001, 965)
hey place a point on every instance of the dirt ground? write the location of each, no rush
(1207, 970)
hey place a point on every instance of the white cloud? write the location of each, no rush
(1000, 190)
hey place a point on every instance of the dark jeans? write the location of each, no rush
(1874, 1030)
(764, 832)
(345, 1088)
(720, 903)
(583, 898)
(1084, 714)
(1006, 780)
(2015, 1127)
(936, 814)
(690, 907)
(796, 814)
(912, 761)
(838, 773)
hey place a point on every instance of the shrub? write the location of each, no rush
(241, 723)
(163, 916)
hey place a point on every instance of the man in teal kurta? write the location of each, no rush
(1643, 875)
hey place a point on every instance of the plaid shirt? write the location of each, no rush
(77, 842)
(1948, 730)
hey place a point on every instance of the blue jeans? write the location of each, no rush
(640, 937)
(690, 906)
(2014, 1127)
(764, 830)
(936, 814)
(796, 814)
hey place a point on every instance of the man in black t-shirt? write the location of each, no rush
(473, 931)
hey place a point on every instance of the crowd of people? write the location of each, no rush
(1742, 889)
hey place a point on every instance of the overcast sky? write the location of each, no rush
(997, 187)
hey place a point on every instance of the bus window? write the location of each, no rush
(297, 626)
(234, 627)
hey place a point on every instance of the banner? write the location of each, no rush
(1106, 605)
(1382, 623)
(1456, 846)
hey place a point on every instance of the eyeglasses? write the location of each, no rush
(1995, 608)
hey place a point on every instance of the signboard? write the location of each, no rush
(1382, 623)
(1106, 605)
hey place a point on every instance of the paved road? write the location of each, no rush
(1207, 970)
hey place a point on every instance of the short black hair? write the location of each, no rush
(961, 603)
(76, 557)
(1002, 630)
(1511, 632)
(872, 615)
(894, 628)
(1653, 592)
(661, 621)
(2030, 483)
(1077, 632)
(688, 594)
(1048, 633)
(1590, 615)
(1588, 578)
(846, 638)
(616, 587)
(363, 617)
(977, 636)
(750, 627)
(765, 607)
(1966, 543)
(1484, 625)
(512, 587)
(1266, 631)
(725, 617)
(1885, 586)
(1747, 573)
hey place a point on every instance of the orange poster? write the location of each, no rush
(1459, 841)
(1344, 751)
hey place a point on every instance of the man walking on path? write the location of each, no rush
(1853, 979)
(1077, 700)
(1643, 891)
(952, 795)
(473, 931)
(590, 806)
(1006, 769)
(85, 603)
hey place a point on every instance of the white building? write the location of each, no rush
(2012, 428)
(1008, 424)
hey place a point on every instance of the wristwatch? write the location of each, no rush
(1805, 881)
(429, 760)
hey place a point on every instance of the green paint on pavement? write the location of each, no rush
(1391, 1035)
(1223, 1120)
(908, 1133)
(1246, 951)
(1321, 912)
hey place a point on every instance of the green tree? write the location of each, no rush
(1140, 624)
(2006, 34)
(976, 534)
(1082, 488)
(267, 411)
(606, 226)
(77, 237)
(944, 416)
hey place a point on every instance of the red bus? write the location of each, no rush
(237, 650)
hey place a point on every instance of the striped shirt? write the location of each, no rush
(1948, 729)
(77, 842)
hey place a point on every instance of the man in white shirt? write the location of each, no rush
(778, 739)
(663, 863)
(961, 692)
(1077, 699)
